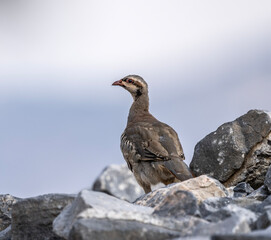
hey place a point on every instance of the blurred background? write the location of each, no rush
(206, 63)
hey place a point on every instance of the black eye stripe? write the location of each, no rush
(128, 80)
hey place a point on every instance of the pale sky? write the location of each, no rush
(75, 43)
(206, 62)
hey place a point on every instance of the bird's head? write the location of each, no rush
(133, 84)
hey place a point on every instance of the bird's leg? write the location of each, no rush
(138, 174)
(146, 187)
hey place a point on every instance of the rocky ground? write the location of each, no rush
(230, 199)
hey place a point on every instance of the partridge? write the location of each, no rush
(151, 148)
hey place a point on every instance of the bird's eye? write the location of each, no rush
(130, 81)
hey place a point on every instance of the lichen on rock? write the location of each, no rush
(238, 151)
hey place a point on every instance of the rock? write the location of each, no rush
(267, 180)
(230, 191)
(118, 181)
(231, 211)
(266, 204)
(218, 209)
(97, 205)
(6, 202)
(232, 225)
(237, 151)
(247, 203)
(212, 205)
(259, 194)
(32, 217)
(264, 220)
(96, 215)
(202, 187)
(6, 234)
(242, 189)
(194, 238)
(179, 204)
(262, 234)
(255, 235)
(118, 229)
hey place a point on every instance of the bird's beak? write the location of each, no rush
(117, 83)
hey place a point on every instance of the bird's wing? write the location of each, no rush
(153, 141)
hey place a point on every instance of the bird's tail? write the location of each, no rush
(179, 169)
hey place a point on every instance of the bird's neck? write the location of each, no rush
(140, 107)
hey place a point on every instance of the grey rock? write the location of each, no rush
(255, 235)
(118, 181)
(267, 180)
(247, 203)
(95, 209)
(6, 234)
(231, 211)
(232, 225)
(212, 205)
(84, 229)
(91, 204)
(240, 237)
(237, 151)
(242, 189)
(181, 203)
(264, 233)
(265, 205)
(32, 217)
(259, 194)
(6, 202)
(264, 221)
(194, 238)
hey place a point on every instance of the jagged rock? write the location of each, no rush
(262, 234)
(255, 235)
(266, 204)
(6, 202)
(219, 209)
(231, 211)
(90, 204)
(212, 205)
(6, 234)
(202, 187)
(242, 189)
(230, 191)
(179, 204)
(95, 215)
(118, 181)
(237, 151)
(234, 224)
(118, 229)
(32, 217)
(264, 220)
(259, 194)
(267, 180)
(194, 238)
(250, 204)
